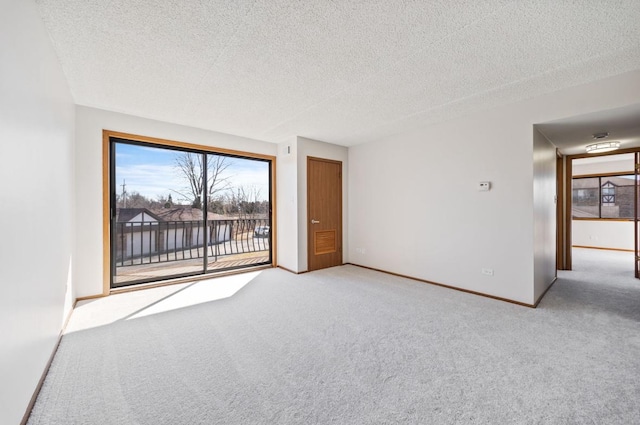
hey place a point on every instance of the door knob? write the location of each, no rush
(315, 221)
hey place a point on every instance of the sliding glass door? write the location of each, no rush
(178, 212)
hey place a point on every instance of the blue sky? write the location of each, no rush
(152, 172)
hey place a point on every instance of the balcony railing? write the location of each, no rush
(157, 242)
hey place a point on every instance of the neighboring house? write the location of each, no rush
(605, 197)
(137, 233)
(140, 231)
(184, 227)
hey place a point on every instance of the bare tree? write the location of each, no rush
(217, 180)
(191, 167)
(249, 200)
(133, 200)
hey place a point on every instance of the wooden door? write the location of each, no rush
(559, 212)
(636, 214)
(324, 213)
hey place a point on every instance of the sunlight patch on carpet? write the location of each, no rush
(98, 312)
(198, 293)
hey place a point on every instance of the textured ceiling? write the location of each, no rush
(344, 72)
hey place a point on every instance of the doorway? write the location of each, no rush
(324, 213)
(602, 210)
(180, 210)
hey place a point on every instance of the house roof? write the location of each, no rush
(185, 213)
(176, 213)
(592, 183)
(618, 181)
(341, 72)
(127, 214)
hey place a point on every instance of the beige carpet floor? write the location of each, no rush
(351, 346)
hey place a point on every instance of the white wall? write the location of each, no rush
(602, 165)
(415, 210)
(603, 234)
(287, 205)
(544, 213)
(89, 125)
(36, 222)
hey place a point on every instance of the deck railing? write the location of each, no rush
(157, 242)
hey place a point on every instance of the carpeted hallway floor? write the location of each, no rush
(351, 346)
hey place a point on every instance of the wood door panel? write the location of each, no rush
(324, 213)
(325, 242)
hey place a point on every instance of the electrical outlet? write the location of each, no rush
(487, 272)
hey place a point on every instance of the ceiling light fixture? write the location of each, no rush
(603, 147)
